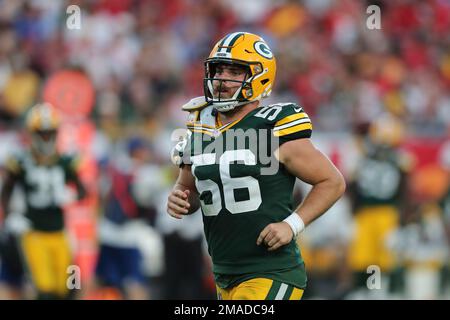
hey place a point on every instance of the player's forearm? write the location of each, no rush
(193, 198)
(321, 197)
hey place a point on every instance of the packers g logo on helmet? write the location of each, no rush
(263, 49)
(246, 50)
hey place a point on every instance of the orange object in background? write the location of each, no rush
(429, 182)
(429, 179)
(71, 92)
(108, 293)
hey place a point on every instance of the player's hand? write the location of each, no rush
(275, 235)
(178, 204)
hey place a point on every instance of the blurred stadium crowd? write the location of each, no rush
(373, 96)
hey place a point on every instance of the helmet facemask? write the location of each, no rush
(213, 86)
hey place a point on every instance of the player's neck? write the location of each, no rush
(237, 113)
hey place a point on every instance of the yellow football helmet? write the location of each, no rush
(42, 122)
(387, 130)
(245, 50)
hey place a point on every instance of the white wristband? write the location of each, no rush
(296, 223)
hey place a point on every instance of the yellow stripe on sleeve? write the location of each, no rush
(290, 118)
(300, 127)
(296, 294)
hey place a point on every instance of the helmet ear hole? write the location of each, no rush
(264, 81)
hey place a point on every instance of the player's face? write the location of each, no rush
(44, 141)
(226, 89)
(47, 135)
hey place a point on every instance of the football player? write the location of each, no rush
(43, 174)
(378, 189)
(249, 220)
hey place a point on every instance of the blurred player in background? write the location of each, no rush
(250, 224)
(378, 193)
(43, 174)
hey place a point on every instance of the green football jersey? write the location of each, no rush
(379, 178)
(44, 188)
(242, 186)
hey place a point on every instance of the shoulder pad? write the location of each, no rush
(14, 164)
(195, 104)
(203, 119)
